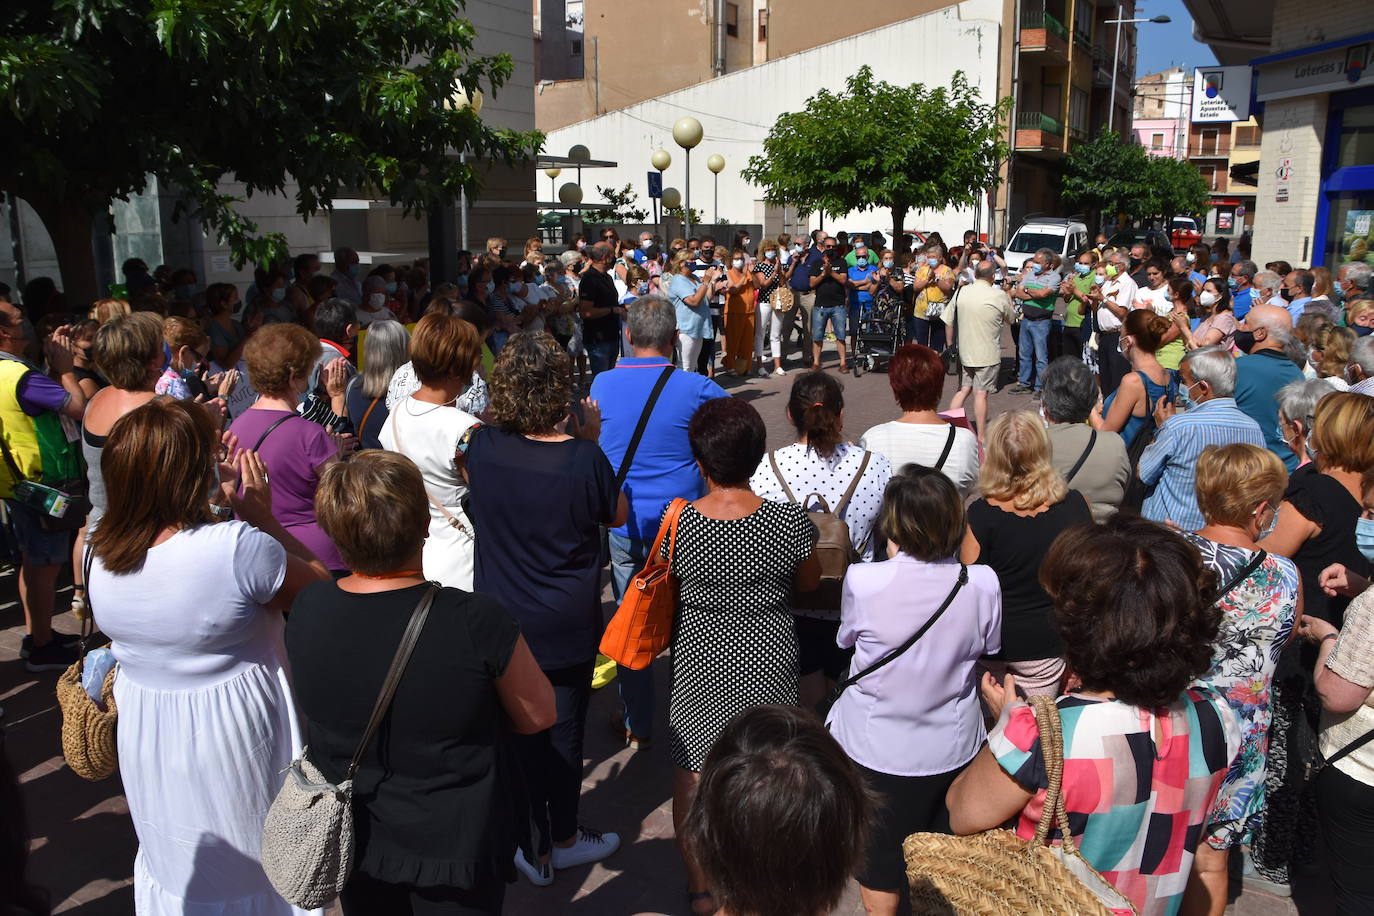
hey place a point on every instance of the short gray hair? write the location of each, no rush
(1362, 355)
(1070, 394)
(387, 347)
(1248, 269)
(1298, 399)
(1275, 320)
(1214, 365)
(652, 323)
(1358, 275)
(569, 258)
(1049, 254)
(1267, 279)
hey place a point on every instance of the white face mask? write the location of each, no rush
(770, 254)
(737, 263)
(1190, 257)
(745, 242)
(646, 243)
(376, 300)
(797, 248)
(1208, 297)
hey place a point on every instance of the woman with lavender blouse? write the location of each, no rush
(913, 724)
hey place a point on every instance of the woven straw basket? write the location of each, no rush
(88, 732)
(996, 872)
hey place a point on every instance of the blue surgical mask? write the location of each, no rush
(1036, 268)
(491, 287)
(933, 262)
(512, 286)
(279, 294)
(1364, 537)
(1269, 528)
(1082, 269)
(1168, 295)
(1187, 392)
(391, 287)
(862, 262)
(1233, 283)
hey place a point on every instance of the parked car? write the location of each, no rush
(1066, 236)
(1160, 246)
(1184, 233)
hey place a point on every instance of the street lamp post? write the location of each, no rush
(716, 163)
(687, 134)
(1116, 56)
(553, 174)
(660, 160)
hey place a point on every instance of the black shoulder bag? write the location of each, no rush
(897, 652)
(1082, 459)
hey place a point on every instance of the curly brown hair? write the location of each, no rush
(1134, 607)
(531, 384)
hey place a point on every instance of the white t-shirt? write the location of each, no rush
(921, 443)
(1153, 299)
(1121, 290)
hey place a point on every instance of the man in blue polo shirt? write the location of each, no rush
(1241, 282)
(861, 286)
(800, 316)
(661, 469)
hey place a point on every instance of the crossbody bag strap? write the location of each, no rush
(393, 675)
(944, 454)
(853, 485)
(367, 413)
(1351, 747)
(777, 472)
(267, 432)
(643, 424)
(1077, 465)
(1244, 574)
(911, 641)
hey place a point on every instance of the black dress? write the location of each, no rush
(1325, 502)
(432, 802)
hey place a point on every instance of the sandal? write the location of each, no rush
(693, 898)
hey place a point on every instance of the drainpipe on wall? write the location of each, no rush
(718, 67)
(1015, 108)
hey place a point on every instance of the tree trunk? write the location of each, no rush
(899, 212)
(69, 226)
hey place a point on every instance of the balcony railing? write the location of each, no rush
(1219, 148)
(1039, 19)
(1038, 120)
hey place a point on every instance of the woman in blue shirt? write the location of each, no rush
(1130, 408)
(691, 302)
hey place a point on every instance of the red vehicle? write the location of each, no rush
(1183, 233)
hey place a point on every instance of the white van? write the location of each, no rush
(1067, 236)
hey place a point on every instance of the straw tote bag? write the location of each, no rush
(643, 624)
(996, 872)
(89, 741)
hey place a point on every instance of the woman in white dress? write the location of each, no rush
(193, 609)
(429, 429)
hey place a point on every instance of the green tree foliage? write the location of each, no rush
(623, 201)
(880, 145)
(342, 97)
(1110, 175)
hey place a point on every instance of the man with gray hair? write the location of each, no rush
(1169, 463)
(1359, 372)
(1267, 284)
(1353, 280)
(1094, 463)
(1242, 293)
(654, 464)
(1036, 290)
(983, 308)
(1265, 368)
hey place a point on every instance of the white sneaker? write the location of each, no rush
(590, 847)
(780, 372)
(539, 875)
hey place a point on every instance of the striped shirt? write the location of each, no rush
(1170, 461)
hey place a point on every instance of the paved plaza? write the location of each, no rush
(83, 842)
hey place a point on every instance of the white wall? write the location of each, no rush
(737, 111)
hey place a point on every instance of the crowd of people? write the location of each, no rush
(1177, 545)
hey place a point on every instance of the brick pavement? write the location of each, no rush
(83, 843)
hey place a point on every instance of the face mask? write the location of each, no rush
(1168, 295)
(888, 262)
(463, 280)
(646, 243)
(279, 295)
(1360, 330)
(1190, 257)
(770, 254)
(1123, 343)
(1111, 270)
(1233, 283)
(354, 270)
(1245, 340)
(538, 280)
(933, 262)
(737, 263)
(581, 244)
(861, 262)
(1082, 269)
(973, 264)
(391, 287)
(1036, 268)
(745, 242)
(490, 287)
(796, 248)
(376, 300)
(1287, 294)
(1208, 298)
(1364, 537)
(642, 287)
(708, 255)
(1269, 528)
(1099, 279)
(1188, 402)
(512, 286)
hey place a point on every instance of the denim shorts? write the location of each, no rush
(836, 316)
(38, 547)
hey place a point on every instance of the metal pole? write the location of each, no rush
(687, 208)
(1116, 65)
(463, 212)
(596, 76)
(716, 193)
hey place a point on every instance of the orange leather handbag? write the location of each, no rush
(643, 624)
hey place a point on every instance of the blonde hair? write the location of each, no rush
(1335, 344)
(374, 509)
(182, 332)
(1017, 467)
(102, 310)
(682, 258)
(1343, 432)
(1357, 308)
(1233, 480)
(125, 348)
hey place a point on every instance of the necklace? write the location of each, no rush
(397, 574)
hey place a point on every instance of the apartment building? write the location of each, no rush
(1055, 57)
